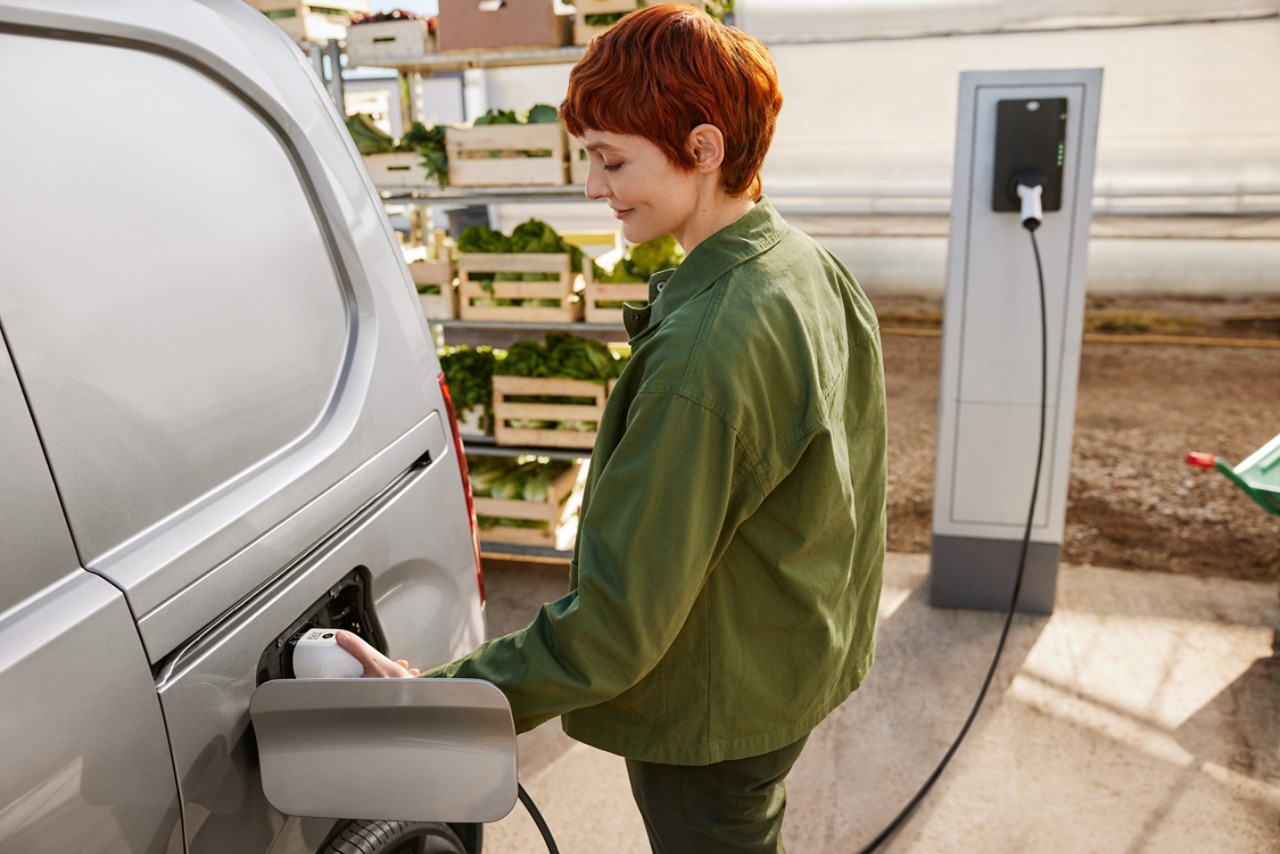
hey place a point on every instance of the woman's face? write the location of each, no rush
(649, 195)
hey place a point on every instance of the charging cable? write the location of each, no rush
(1029, 188)
(1029, 194)
(547, 838)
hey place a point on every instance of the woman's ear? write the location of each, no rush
(706, 144)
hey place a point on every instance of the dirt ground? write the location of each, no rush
(1132, 501)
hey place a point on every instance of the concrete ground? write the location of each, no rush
(1142, 716)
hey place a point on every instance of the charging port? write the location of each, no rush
(348, 605)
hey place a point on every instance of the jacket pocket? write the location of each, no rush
(647, 699)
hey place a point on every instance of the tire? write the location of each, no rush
(395, 837)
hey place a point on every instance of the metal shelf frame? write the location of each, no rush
(484, 446)
(465, 60)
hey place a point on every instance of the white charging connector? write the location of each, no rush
(1030, 188)
(316, 655)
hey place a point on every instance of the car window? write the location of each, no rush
(168, 295)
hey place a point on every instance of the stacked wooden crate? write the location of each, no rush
(399, 170)
(378, 42)
(557, 514)
(308, 22)
(601, 299)
(472, 25)
(434, 280)
(506, 155)
(549, 301)
(574, 406)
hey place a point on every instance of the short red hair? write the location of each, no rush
(663, 70)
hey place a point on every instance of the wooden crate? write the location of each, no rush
(475, 26)
(377, 41)
(584, 32)
(471, 163)
(577, 161)
(398, 170)
(472, 423)
(472, 294)
(594, 293)
(603, 7)
(306, 22)
(441, 306)
(558, 511)
(505, 410)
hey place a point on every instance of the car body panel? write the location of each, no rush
(170, 513)
(384, 381)
(86, 764)
(206, 696)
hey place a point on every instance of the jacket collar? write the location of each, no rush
(756, 231)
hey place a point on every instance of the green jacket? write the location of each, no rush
(723, 596)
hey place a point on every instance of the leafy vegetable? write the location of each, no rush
(642, 261)
(469, 374)
(369, 138)
(661, 253)
(515, 479)
(534, 235)
(523, 359)
(563, 355)
(530, 236)
(542, 114)
(494, 116)
(482, 238)
(429, 142)
(579, 358)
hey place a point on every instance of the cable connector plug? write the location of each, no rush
(1029, 187)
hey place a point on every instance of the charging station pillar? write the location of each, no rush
(990, 389)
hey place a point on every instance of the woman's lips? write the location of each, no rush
(623, 214)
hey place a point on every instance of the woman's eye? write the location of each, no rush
(612, 167)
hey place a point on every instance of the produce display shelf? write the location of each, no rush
(549, 194)
(528, 554)
(486, 446)
(522, 326)
(464, 60)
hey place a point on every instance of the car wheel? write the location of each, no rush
(395, 837)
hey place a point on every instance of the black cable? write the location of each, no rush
(1017, 584)
(537, 819)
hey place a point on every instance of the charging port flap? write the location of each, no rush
(395, 749)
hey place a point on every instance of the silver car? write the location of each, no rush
(222, 423)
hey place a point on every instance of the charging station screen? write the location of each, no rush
(1031, 138)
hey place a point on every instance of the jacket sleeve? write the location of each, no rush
(662, 510)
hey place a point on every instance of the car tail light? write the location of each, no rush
(466, 483)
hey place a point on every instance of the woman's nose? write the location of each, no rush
(596, 187)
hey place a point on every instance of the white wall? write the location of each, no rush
(1189, 127)
(1186, 110)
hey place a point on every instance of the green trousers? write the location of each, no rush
(733, 806)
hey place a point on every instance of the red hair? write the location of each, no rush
(663, 70)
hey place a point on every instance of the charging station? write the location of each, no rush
(1037, 128)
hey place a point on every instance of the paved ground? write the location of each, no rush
(1142, 716)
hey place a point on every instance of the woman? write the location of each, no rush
(727, 569)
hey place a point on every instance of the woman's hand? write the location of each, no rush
(376, 665)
